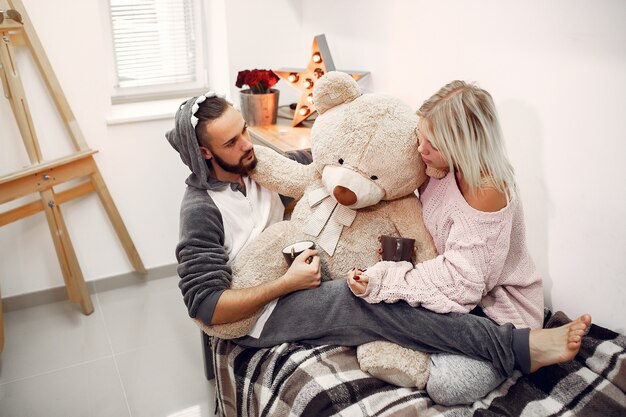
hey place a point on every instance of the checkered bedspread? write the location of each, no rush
(302, 380)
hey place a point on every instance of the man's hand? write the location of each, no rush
(237, 304)
(304, 272)
(357, 281)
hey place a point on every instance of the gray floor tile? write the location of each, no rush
(88, 390)
(50, 337)
(146, 314)
(167, 380)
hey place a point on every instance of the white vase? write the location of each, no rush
(259, 109)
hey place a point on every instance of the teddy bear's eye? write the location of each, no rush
(340, 161)
(374, 177)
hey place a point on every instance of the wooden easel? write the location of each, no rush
(43, 175)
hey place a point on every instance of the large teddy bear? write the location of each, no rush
(360, 185)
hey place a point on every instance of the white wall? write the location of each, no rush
(557, 71)
(265, 35)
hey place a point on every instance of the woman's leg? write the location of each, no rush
(331, 314)
(560, 344)
(456, 379)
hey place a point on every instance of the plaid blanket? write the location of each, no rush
(302, 380)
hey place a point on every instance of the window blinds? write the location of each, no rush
(154, 42)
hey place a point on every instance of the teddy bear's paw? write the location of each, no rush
(394, 364)
(435, 172)
(230, 330)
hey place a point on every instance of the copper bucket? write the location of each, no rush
(259, 109)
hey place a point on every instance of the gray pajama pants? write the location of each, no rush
(332, 315)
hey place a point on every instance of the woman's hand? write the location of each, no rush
(357, 281)
(304, 273)
(367, 286)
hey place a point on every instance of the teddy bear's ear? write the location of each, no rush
(334, 88)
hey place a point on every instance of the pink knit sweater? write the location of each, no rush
(484, 261)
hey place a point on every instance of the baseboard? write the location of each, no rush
(52, 295)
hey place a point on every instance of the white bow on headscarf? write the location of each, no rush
(328, 220)
(196, 105)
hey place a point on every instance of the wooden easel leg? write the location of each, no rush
(116, 220)
(73, 276)
(51, 81)
(1, 326)
(14, 91)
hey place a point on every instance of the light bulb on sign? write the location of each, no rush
(304, 110)
(310, 99)
(293, 78)
(317, 58)
(308, 83)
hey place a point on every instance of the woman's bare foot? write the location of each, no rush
(561, 344)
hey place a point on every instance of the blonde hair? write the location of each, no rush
(463, 126)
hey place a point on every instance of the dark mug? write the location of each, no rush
(291, 252)
(397, 248)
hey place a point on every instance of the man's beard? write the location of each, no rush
(241, 168)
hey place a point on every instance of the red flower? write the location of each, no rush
(259, 81)
(272, 78)
(253, 78)
(241, 78)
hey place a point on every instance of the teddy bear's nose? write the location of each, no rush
(344, 196)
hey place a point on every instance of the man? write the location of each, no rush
(223, 210)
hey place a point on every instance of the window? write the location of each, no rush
(157, 49)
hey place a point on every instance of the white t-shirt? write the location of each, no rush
(244, 217)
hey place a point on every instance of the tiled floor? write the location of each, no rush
(137, 355)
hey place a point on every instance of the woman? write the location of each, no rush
(475, 217)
